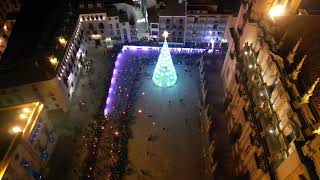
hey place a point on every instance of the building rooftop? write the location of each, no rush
(153, 16)
(123, 17)
(87, 6)
(111, 11)
(213, 6)
(295, 26)
(106, 2)
(15, 122)
(171, 8)
(34, 38)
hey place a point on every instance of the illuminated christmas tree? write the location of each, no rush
(164, 75)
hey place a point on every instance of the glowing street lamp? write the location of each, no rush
(317, 131)
(16, 129)
(26, 110)
(62, 41)
(23, 116)
(53, 60)
(277, 10)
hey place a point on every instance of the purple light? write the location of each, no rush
(109, 102)
(113, 80)
(106, 111)
(147, 48)
(117, 63)
(115, 71)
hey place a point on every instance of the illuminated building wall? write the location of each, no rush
(266, 128)
(31, 141)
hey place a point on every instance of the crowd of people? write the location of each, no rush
(108, 136)
(106, 139)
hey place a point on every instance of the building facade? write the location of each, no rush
(43, 72)
(27, 141)
(205, 25)
(270, 120)
(172, 19)
(192, 23)
(8, 13)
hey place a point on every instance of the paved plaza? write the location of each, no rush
(166, 141)
(91, 89)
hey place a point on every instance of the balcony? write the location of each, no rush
(261, 162)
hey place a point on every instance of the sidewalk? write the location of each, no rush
(223, 151)
(91, 89)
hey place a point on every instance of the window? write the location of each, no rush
(154, 25)
(118, 32)
(168, 20)
(181, 20)
(90, 26)
(25, 164)
(154, 33)
(117, 25)
(125, 37)
(101, 26)
(124, 31)
(116, 18)
(109, 19)
(195, 20)
(110, 25)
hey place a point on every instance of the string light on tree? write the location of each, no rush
(164, 75)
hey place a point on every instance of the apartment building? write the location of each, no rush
(43, 58)
(27, 141)
(172, 19)
(206, 21)
(115, 25)
(270, 81)
(153, 20)
(8, 14)
(192, 22)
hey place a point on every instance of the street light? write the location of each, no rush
(277, 10)
(26, 110)
(23, 116)
(62, 41)
(16, 129)
(53, 60)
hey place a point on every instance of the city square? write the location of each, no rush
(159, 90)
